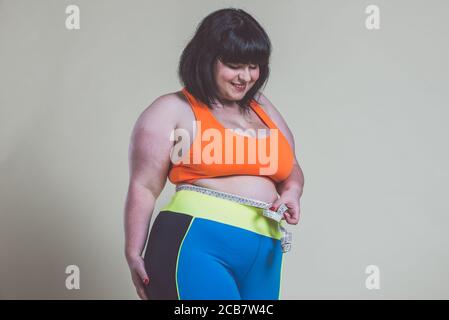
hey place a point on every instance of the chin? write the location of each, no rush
(237, 96)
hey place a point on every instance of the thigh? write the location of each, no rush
(210, 260)
(201, 276)
(161, 254)
(263, 281)
(190, 258)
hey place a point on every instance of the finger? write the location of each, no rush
(293, 214)
(140, 289)
(280, 207)
(294, 220)
(139, 285)
(142, 273)
(288, 213)
(275, 205)
(297, 215)
(291, 218)
(141, 293)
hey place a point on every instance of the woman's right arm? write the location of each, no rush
(149, 161)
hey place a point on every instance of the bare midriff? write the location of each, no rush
(254, 187)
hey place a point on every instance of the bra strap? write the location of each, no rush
(198, 109)
(263, 115)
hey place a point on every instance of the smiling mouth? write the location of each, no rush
(239, 86)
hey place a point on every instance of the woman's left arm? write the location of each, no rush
(290, 190)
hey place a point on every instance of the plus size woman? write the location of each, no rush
(232, 158)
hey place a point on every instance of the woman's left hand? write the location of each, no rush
(291, 200)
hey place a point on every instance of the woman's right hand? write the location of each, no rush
(139, 275)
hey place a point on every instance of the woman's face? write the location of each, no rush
(234, 80)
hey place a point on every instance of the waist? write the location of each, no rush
(253, 187)
(228, 211)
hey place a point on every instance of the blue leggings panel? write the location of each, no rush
(221, 261)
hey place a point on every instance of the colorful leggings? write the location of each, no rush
(208, 248)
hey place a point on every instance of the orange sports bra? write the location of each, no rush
(218, 151)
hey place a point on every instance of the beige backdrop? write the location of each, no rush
(368, 108)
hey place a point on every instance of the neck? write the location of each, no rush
(230, 105)
(225, 104)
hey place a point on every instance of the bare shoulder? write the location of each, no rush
(166, 109)
(269, 108)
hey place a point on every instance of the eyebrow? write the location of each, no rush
(239, 64)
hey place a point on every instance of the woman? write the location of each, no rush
(206, 244)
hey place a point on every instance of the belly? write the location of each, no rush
(254, 187)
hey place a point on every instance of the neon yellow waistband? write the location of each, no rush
(225, 211)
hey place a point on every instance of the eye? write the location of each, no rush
(232, 66)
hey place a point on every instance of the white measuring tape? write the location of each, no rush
(286, 239)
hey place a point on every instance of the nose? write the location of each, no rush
(245, 75)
